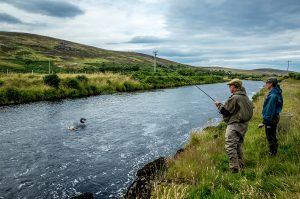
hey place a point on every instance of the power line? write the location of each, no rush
(49, 67)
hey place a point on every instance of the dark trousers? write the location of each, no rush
(271, 137)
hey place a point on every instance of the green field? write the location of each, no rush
(201, 171)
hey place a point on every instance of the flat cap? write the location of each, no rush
(273, 81)
(236, 82)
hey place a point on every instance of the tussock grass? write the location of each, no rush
(202, 169)
(22, 88)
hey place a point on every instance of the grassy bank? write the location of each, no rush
(201, 171)
(23, 88)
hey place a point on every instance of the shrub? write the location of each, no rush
(72, 83)
(1, 83)
(50, 94)
(51, 80)
(186, 71)
(120, 88)
(92, 89)
(109, 82)
(82, 78)
(129, 86)
(294, 75)
(3, 98)
(12, 94)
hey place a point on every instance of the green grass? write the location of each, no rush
(201, 171)
(22, 88)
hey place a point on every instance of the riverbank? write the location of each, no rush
(201, 170)
(24, 88)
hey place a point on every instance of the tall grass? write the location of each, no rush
(22, 88)
(202, 169)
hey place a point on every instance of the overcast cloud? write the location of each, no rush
(230, 33)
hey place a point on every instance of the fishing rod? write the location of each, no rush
(199, 89)
(205, 93)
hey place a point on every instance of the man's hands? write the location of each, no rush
(218, 104)
(260, 125)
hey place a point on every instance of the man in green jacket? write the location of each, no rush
(236, 111)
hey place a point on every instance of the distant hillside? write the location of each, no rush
(260, 71)
(23, 51)
(270, 71)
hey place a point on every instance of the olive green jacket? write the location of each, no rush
(234, 108)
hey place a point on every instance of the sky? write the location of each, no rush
(228, 33)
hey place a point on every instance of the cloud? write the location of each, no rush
(52, 8)
(6, 18)
(239, 17)
(197, 32)
(146, 40)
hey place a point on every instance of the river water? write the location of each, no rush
(41, 158)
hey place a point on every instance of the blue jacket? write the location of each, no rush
(272, 105)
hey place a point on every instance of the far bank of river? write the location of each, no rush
(26, 88)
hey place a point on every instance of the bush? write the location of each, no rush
(294, 75)
(52, 80)
(82, 78)
(129, 86)
(109, 82)
(92, 89)
(120, 88)
(12, 94)
(72, 83)
(50, 94)
(185, 72)
(1, 83)
(3, 98)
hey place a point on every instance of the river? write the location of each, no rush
(41, 158)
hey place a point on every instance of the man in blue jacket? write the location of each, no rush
(271, 109)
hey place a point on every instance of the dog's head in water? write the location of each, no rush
(82, 120)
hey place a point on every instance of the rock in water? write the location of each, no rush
(152, 168)
(86, 195)
(142, 186)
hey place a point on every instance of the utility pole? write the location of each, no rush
(155, 54)
(49, 67)
(288, 66)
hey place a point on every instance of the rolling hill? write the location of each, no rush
(260, 71)
(26, 52)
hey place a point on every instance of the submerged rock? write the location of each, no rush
(86, 195)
